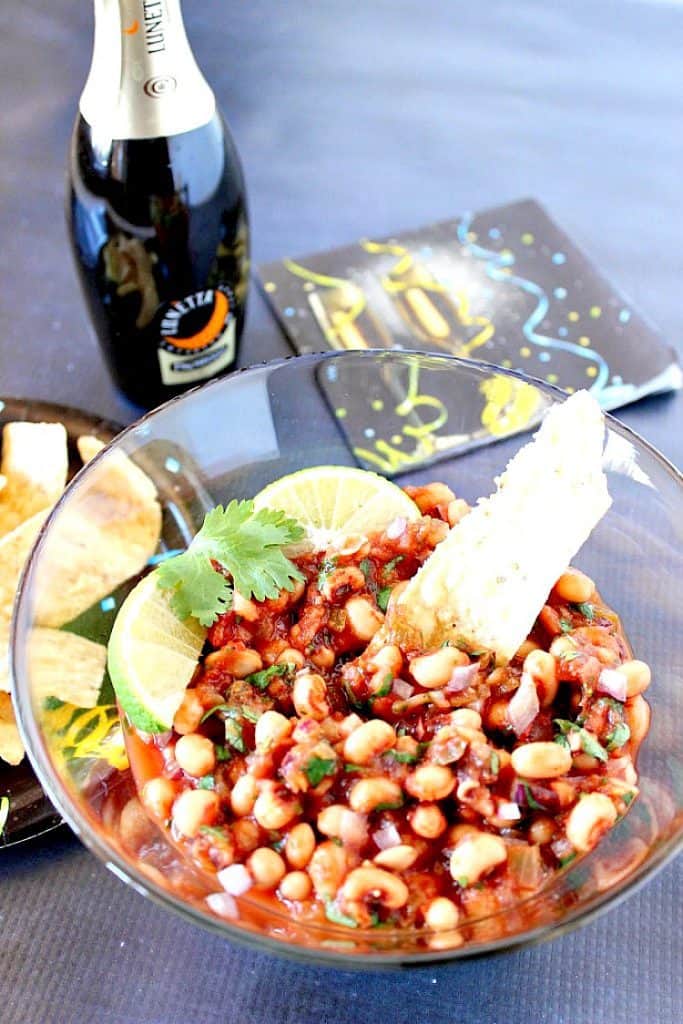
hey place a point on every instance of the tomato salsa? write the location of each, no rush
(365, 783)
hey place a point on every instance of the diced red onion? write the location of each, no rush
(223, 903)
(461, 677)
(387, 836)
(509, 811)
(524, 706)
(396, 527)
(235, 879)
(613, 682)
(402, 689)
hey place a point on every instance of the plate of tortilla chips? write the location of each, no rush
(42, 446)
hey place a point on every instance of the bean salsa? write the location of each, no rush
(370, 786)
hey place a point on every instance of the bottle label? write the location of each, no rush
(197, 336)
(144, 82)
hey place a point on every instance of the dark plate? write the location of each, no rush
(30, 812)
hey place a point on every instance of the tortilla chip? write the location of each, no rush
(35, 464)
(14, 550)
(106, 535)
(123, 476)
(65, 666)
(11, 747)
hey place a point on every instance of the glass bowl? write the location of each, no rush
(416, 418)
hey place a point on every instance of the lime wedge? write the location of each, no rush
(335, 503)
(152, 656)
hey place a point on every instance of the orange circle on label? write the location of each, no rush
(211, 329)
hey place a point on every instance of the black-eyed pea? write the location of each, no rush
(396, 858)
(299, 845)
(323, 657)
(457, 510)
(245, 608)
(193, 809)
(574, 586)
(460, 831)
(466, 718)
(327, 869)
(430, 782)
(243, 795)
(369, 794)
(588, 821)
(290, 656)
(348, 724)
(195, 754)
(369, 740)
(637, 715)
(363, 618)
(441, 914)
(339, 821)
(246, 835)
(433, 671)
(542, 668)
(296, 885)
(428, 821)
(368, 883)
(638, 676)
(346, 577)
(271, 728)
(541, 760)
(388, 658)
(407, 745)
(189, 714)
(309, 695)
(496, 715)
(541, 830)
(157, 796)
(307, 730)
(267, 867)
(274, 806)
(475, 856)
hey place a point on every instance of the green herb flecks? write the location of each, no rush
(586, 609)
(327, 567)
(222, 753)
(336, 916)
(494, 763)
(261, 680)
(619, 735)
(402, 756)
(391, 565)
(531, 802)
(385, 687)
(365, 567)
(318, 768)
(390, 805)
(206, 782)
(566, 626)
(233, 735)
(383, 596)
(235, 542)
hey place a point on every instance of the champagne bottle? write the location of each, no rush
(156, 206)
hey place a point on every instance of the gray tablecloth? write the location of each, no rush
(353, 117)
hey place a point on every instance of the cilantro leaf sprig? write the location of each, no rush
(247, 545)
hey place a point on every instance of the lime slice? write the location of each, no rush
(152, 656)
(335, 503)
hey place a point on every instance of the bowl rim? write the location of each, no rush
(115, 862)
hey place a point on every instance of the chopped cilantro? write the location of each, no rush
(587, 610)
(52, 704)
(591, 746)
(566, 626)
(222, 753)
(366, 568)
(206, 782)
(383, 596)
(463, 881)
(230, 710)
(335, 915)
(390, 805)
(327, 567)
(402, 756)
(620, 734)
(562, 741)
(564, 725)
(385, 688)
(391, 565)
(534, 804)
(247, 545)
(261, 680)
(494, 763)
(233, 735)
(567, 859)
(463, 644)
(628, 798)
(251, 714)
(212, 830)
(318, 767)
(279, 844)
(354, 767)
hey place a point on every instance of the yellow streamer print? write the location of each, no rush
(80, 733)
(510, 404)
(338, 329)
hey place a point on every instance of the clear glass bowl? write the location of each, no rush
(400, 413)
